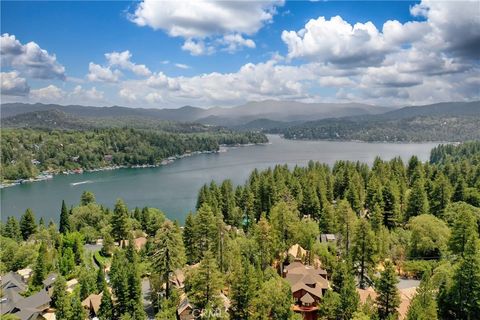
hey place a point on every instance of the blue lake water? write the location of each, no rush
(173, 188)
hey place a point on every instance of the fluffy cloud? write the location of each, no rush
(83, 94)
(161, 81)
(29, 59)
(13, 85)
(127, 95)
(435, 59)
(251, 82)
(337, 41)
(416, 62)
(102, 74)
(192, 20)
(197, 47)
(451, 27)
(455, 26)
(116, 61)
(50, 93)
(122, 60)
(235, 41)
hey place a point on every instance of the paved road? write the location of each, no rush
(147, 303)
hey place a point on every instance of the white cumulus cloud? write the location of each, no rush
(122, 60)
(87, 94)
(50, 93)
(202, 19)
(337, 41)
(29, 59)
(102, 74)
(13, 85)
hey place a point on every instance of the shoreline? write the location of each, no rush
(48, 175)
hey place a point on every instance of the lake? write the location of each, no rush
(173, 188)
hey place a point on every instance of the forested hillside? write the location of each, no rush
(230, 261)
(56, 119)
(453, 128)
(439, 122)
(26, 152)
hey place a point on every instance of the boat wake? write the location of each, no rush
(81, 182)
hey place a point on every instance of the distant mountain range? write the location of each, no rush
(449, 121)
(285, 111)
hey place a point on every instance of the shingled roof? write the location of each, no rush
(13, 281)
(309, 279)
(31, 307)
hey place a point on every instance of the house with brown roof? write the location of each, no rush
(309, 285)
(185, 309)
(406, 296)
(92, 304)
(297, 252)
(138, 243)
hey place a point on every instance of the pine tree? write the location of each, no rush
(440, 195)
(376, 217)
(205, 282)
(388, 298)
(328, 309)
(310, 204)
(460, 191)
(423, 305)
(205, 232)
(363, 251)
(413, 168)
(417, 201)
(27, 224)
(60, 299)
(347, 220)
(374, 193)
(106, 310)
(274, 300)
(86, 282)
(107, 246)
(249, 209)
(188, 238)
(64, 219)
(203, 196)
(243, 290)
(100, 280)
(228, 202)
(464, 294)
(119, 281)
(120, 221)
(12, 229)
(464, 228)
(349, 298)
(87, 198)
(40, 269)
(284, 219)
(391, 205)
(340, 272)
(263, 237)
(67, 261)
(328, 219)
(169, 253)
(134, 293)
(77, 311)
(59, 294)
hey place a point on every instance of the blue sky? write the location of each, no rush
(246, 44)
